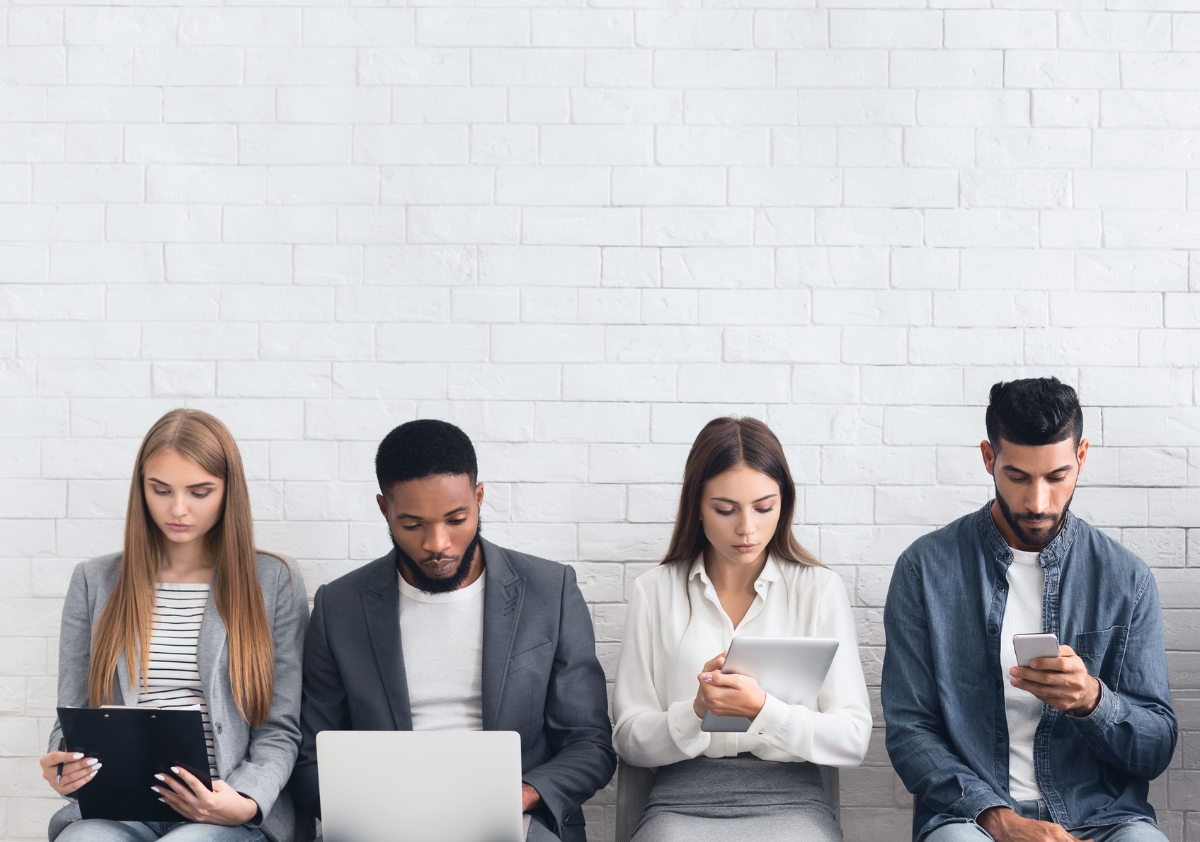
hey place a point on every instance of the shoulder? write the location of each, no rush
(533, 569)
(98, 572)
(1116, 559)
(279, 573)
(662, 580)
(945, 544)
(349, 584)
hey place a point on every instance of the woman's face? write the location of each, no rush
(739, 510)
(183, 498)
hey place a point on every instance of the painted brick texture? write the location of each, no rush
(580, 231)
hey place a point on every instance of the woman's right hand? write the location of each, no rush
(714, 665)
(76, 770)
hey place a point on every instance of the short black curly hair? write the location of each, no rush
(1034, 412)
(424, 448)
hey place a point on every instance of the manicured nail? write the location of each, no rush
(155, 788)
(175, 769)
(91, 761)
(97, 768)
(707, 677)
(77, 755)
(161, 778)
(163, 801)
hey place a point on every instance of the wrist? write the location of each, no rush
(1089, 704)
(698, 708)
(992, 819)
(249, 809)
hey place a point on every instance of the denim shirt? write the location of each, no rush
(943, 692)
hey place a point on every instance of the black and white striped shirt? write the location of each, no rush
(173, 680)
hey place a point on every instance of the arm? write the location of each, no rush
(576, 716)
(1134, 728)
(838, 732)
(650, 731)
(273, 745)
(916, 738)
(323, 709)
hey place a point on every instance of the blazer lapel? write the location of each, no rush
(208, 652)
(502, 599)
(381, 604)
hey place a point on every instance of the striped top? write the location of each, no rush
(173, 680)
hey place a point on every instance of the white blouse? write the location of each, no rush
(675, 623)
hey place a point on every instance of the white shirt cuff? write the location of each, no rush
(684, 726)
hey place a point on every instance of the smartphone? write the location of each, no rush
(1030, 646)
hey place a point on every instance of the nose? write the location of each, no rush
(745, 523)
(1040, 503)
(437, 540)
(178, 505)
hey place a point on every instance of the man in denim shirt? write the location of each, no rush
(1065, 748)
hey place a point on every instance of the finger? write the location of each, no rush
(191, 780)
(79, 774)
(169, 784)
(79, 765)
(54, 758)
(67, 788)
(722, 679)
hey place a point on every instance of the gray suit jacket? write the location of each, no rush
(254, 760)
(541, 677)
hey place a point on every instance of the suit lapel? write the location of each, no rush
(381, 605)
(209, 648)
(502, 600)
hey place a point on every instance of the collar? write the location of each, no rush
(1052, 553)
(771, 572)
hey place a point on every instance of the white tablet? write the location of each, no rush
(792, 669)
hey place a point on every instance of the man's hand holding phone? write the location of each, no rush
(1061, 681)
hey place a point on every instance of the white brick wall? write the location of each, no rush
(580, 232)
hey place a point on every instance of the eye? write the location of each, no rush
(765, 511)
(726, 512)
(458, 522)
(200, 495)
(410, 527)
(161, 492)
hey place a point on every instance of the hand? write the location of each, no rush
(76, 770)
(1005, 825)
(698, 705)
(191, 799)
(729, 694)
(1062, 682)
(530, 797)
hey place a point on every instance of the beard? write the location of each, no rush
(1039, 537)
(429, 584)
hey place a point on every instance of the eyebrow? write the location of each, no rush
(736, 503)
(1015, 469)
(205, 484)
(451, 513)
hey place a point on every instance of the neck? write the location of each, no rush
(190, 561)
(732, 578)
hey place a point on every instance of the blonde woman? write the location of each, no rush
(225, 625)
(733, 568)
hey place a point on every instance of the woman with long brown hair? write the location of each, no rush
(734, 567)
(225, 628)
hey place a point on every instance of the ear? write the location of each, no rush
(989, 456)
(479, 494)
(383, 507)
(1082, 453)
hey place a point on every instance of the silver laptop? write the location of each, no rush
(792, 669)
(420, 786)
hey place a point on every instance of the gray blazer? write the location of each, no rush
(254, 760)
(541, 677)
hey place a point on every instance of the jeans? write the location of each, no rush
(1136, 831)
(104, 830)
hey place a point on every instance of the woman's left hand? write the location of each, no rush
(222, 805)
(729, 694)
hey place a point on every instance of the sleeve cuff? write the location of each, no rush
(1106, 712)
(975, 802)
(684, 726)
(771, 719)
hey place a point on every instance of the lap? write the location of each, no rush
(785, 826)
(959, 832)
(103, 830)
(1124, 832)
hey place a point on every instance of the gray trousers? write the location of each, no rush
(737, 798)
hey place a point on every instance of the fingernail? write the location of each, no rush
(97, 768)
(160, 777)
(77, 755)
(707, 677)
(91, 761)
(162, 800)
(175, 769)
(154, 788)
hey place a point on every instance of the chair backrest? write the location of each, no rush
(633, 793)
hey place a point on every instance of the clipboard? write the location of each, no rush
(134, 744)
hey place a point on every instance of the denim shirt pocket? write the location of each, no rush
(1102, 651)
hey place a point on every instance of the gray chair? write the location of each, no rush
(633, 793)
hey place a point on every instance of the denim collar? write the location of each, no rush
(1051, 554)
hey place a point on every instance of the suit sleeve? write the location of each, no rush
(916, 732)
(576, 717)
(74, 651)
(272, 750)
(323, 708)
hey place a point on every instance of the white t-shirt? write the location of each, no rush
(441, 636)
(1022, 615)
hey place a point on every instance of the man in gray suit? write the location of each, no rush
(451, 632)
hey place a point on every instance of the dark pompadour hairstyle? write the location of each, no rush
(424, 448)
(1034, 412)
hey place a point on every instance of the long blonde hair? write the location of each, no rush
(126, 623)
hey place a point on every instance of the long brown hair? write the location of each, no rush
(723, 444)
(126, 623)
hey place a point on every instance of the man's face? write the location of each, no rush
(434, 522)
(1034, 487)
